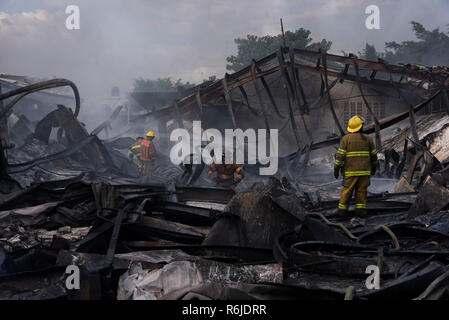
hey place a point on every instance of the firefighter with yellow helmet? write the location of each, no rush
(356, 159)
(148, 155)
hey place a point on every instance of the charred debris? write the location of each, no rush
(69, 197)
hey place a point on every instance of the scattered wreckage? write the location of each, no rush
(78, 201)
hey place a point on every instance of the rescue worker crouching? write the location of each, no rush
(148, 155)
(225, 173)
(356, 159)
(134, 151)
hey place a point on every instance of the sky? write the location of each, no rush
(120, 40)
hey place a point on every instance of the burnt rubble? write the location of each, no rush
(71, 198)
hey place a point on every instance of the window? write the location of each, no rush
(379, 111)
(353, 108)
(359, 109)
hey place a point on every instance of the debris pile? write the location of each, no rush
(133, 242)
(71, 201)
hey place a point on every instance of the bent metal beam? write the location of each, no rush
(24, 91)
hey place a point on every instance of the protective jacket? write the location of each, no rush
(356, 154)
(147, 151)
(226, 171)
(134, 151)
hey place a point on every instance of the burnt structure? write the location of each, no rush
(78, 200)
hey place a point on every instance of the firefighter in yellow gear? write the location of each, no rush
(148, 155)
(225, 173)
(134, 151)
(356, 159)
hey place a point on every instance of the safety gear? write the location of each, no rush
(147, 151)
(148, 157)
(373, 170)
(239, 172)
(356, 154)
(336, 171)
(135, 149)
(148, 168)
(150, 134)
(225, 173)
(355, 124)
(360, 186)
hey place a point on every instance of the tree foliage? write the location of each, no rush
(370, 53)
(254, 47)
(431, 48)
(159, 85)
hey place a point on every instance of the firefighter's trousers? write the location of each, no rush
(148, 168)
(360, 186)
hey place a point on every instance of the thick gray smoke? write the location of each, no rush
(122, 40)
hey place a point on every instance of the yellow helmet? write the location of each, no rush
(150, 134)
(355, 124)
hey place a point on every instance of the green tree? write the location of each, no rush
(254, 47)
(211, 79)
(370, 53)
(159, 85)
(431, 48)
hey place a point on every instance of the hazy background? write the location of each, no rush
(120, 40)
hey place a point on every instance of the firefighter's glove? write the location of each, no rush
(337, 171)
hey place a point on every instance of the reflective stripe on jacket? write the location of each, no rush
(134, 151)
(357, 154)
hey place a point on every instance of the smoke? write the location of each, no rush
(122, 40)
